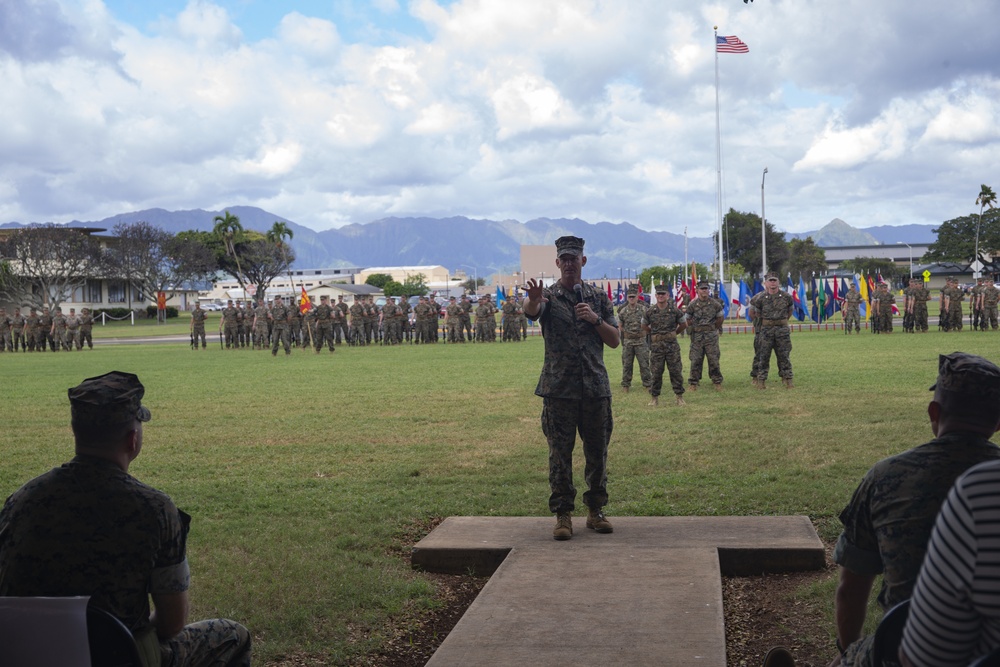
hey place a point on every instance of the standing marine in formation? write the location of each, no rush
(705, 316)
(662, 322)
(775, 307)
(633, 339)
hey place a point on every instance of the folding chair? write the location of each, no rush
(889, 634)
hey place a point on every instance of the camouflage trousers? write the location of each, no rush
(6, 341)
(635, 349)
(955, 317)
(260, 336)
(561, 419)
(778, 339)
(885, 322)
(210, 643)
(755, 364)
(323, 334)
(230, 332)
(198, 333)
(455, 332)
(852, 319)
(280, 335)
(990, 316)
(484, 332)
(72, 338)
(511, 330)
(357, 334)
(86, 337)
(666, 353)
(705, 344)
(920, 316)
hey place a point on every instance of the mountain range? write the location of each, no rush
(486, 246)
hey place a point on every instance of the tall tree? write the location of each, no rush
(46, 264)
(956, 238)
(277, 234)
(805, 258)
(230, 232)
(262, 260)
(986, 198)
(153, 260)
(742, 242)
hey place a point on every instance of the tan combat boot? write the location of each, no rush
(655, 401)
(788, 383)
(762, 384)
(564, 526)
(597, 521)
(680, 400)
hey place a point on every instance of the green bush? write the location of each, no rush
(151, 312)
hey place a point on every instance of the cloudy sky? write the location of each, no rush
(335, 111)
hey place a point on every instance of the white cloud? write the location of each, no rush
(520, 109)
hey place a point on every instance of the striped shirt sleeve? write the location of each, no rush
(955, 613)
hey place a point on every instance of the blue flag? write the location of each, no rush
(725, 299)
(745, 298)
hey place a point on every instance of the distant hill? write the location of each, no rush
(839, 233)
(487, 245)
(456, 243)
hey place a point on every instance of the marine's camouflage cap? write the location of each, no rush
(110, 399)
(703, 284)
(771, 276)
(569, 245)
(662, 289)
(964, 373)
(633, 290)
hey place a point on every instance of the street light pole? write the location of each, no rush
(763, 229)
(911, 256)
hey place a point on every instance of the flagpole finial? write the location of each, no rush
(715, 27)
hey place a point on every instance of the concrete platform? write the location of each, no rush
(648, 594)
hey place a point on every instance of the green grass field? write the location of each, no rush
(304, 474)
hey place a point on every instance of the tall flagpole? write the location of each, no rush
(718, 151)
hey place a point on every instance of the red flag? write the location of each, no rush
(610, 298)
(692, 289)
(304, 303)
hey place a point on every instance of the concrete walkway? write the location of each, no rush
(648, 594)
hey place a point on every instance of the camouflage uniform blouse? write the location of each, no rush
(90, 528)
(574, 351)
(663, 321)
(703, 312)
(889, 519)
(630, 319)
(777, 306)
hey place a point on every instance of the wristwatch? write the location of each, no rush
(599, 322)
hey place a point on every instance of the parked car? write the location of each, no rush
(211, 306)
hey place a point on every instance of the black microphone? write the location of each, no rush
(578, 288)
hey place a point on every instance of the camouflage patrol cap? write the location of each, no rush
(108, 400)
(662, 289)
(969, 374)
(703, 284)
(633, 290)
(771, 276)
(569, 245)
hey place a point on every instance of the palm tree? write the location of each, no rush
(985, 199)
(277, 234)
(229, 229)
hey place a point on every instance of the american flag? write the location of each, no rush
(730, 44)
